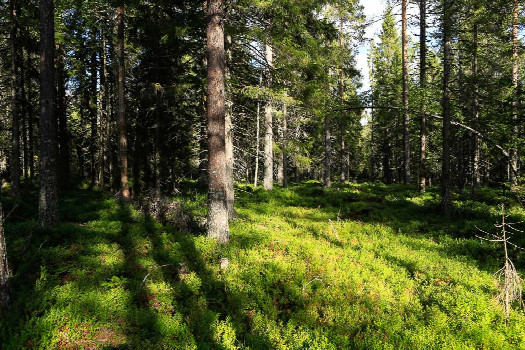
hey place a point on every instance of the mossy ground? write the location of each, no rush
(356, 266)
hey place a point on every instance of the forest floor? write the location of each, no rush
(357, 266)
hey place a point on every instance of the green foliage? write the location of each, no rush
(357, 266)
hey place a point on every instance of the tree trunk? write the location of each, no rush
(406, 116)
(423, 85)
(257, 139)
(342, 101)
(15, 102)
(123, 139)
(64, 173)
(268, 126)
(285, 146)
(230, 161)
(5, 291)
(93, 113)
(475, 114)
(447, 63)
(327, 152)
(30, 125)
(48, 204)
(514, 178)
(104, 122)
(24, 114)
(218, 227)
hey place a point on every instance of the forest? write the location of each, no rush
(262, 174)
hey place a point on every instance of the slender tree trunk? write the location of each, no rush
(406, 116)
(123, 139)
(64, 174)
(514, 178)
(15, 102)
(327, 152)
(93, 113)
(230, 161)
(268, 126)
(30, 125)
(475, 114)
(342, 101)
(24, 111)
(48, 208)
(285, 146)
(104, 122)
(218, 227)
(447, 63)
(423, 86)
(5, 290)
(257, 139)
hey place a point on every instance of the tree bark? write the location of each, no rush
(48, 203)
(104, 121)
(93, 113)
(406, 116)
(5, 290)
(514, 178)
(230, 160)
(285, 146)
(268, 126)
(123, 139)
(15, 102)
(342, 101)
(446, 107)
(218, 227)
(257, 139)
(423, 85)
(327, 152)
(30, 125)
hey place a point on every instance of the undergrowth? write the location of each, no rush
(364, 266)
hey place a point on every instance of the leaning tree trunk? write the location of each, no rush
(268, 126)
(15, 102)
(5, 300)
(406, 116)
(423, 83)
(217, 202)
(445, 165)
(123, 139)
(48, 208)
(515, 129)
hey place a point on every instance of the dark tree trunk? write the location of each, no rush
(5, 291)
(447, 63)
(30, 125)
(285, 146)
(123, 139)
(93, 113)
(406, 116)
(423, 84)
(104, 121)
(218, 227)
(475, 114)
(514, 178)
(48, 209)
(15, 101)
(268, 126)
(24, 115)
(64, 160)
(342, 101)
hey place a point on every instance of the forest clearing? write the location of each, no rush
(356, 266)
(262, 174)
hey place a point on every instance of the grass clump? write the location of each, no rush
(358, 266)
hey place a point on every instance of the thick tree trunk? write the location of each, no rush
(15, 102)
(5, 291)
(48, 204)
(230, 161)
(514, 178)
(447, 63)
(268, 126)
(406, 116)
(123, 139)
(64, 173)
(218, 227)
(423, 85)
